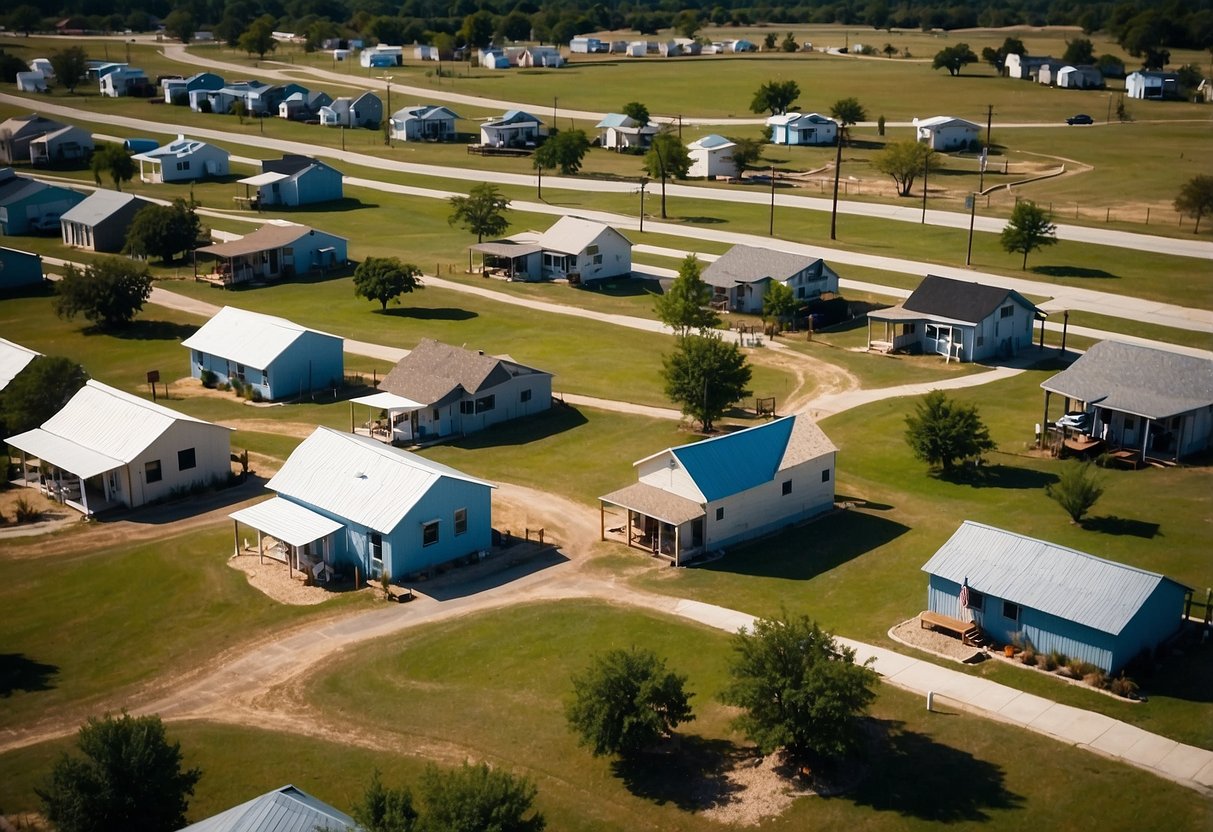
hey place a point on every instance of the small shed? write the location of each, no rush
(31, 81)
(19, 269)
(101, 221)
(711, 157)
(946, 133)
(1054, 597)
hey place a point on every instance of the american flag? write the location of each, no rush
(964, 594)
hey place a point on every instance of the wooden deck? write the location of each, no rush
(966, 631)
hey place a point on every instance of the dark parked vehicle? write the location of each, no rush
(1081, 118)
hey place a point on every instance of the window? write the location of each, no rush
(720, 513)
(524, 396)
(825, 475)
(183, 165)
(429, 533)
(596, 260)
(1007, 311)
(186, 459)
(591, 250)
(486, 403)
(240, 372)
(467, 408)
(461, 520)
(1010, 611)
(800, 292)
(977, 601)
(787, 487)
(376, 542)
(981, 339)
(1130, 423)
(151, 471)
(434, 414)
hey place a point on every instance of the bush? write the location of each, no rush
(26, 512)
(1081, 669)
(257, 397)
(1122, 685)
(209, 379)
(1097, 679)
(1054, 660)
(1028, 657)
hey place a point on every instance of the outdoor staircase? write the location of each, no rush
(973, 636)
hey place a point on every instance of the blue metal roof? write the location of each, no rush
(1069, 584)
(287, 809)
(713, 140)
(614, 120)
(737, 461)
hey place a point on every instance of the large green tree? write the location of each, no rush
(24, 19)
(385, 809)
(70, 66)
(476, 798)
(997, 58)
(942, 432)
(705, 376)
(847, 112)
(477, 29)
(258, 38)
(637, 112)
(181, 25)
(954, 58)
(684, 307)
(667, 157)
(38, 392)
(800, 689)
(110, 292)
(626, 701)
(163, 230)
(1195, 198)
(746, 152)
(385, 279)
(563, 151)
(904, 161)
(775, 97)
(1030, 228)
(128, 776)
(1079, 51)
(482, 211)
(112, 160)
(779, 302)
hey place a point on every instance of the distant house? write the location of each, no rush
(13, 357)
(742, 275)
(424, 122)
(302, 106)
(425, 52)
(100, 221)
(107, 448)
(1025, 67)
(126, 81)
(1080, 78)
(17, 132)
(364, 111)
(350, 502)
(1157, 402)
(63, 146)
(42, 65)
(494, 57)
(444, 390)
(802, 129)
(1155, 85)
(177, 90)
(587, 46)
(620, 132)
(278, 358)
(223, 99)
(276, 250)
(19, 269)
(572, 248)
(637, 49)
(31, 81)
(183, 160)
(28, 206)
(1053, 597)
(1046, 74)
(712, 156)
(287, 809)
(722, 491)
(946, 133)
(740, 45)
(957, 319)
(293, 181)
(541, 56)
(267, 100)
(515, 128)
(381, 56)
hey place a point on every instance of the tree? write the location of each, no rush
(684, 307)
(706, 376)
(789, 44)
(259, 37)
(889, 50)
(768, 45)
(1076, 490)
(384, 279)
(476, 798)
(746, 152)
(10, 65)
(564, 150)
(1029, 228)
(384, 809)
(239, 110)
(904, 161)
(180, 24)
(780, 302)
(637, 112)
(775, 97)
(25, 18)
(626, 701)
(514, 26)
(801, 690)
(112, 159)
(847, 112)
(477, 29)
(70, 66)
(163, 230)
(481, 212)
(1079, 51)
(1195, 198)
(997, 58)
(942, 431)
(954, 58)
(109, 292)
(38, 392)
(130, 778)
(687, 23)
(667, 156)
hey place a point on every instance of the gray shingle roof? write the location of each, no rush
(750, 264)
(434, 372)
(958, 299)
(1138, 380)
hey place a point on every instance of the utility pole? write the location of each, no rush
(539, 183)
(837, 170)
(771, 229)
(555, 101)
(643, 182)
(972, 216)
(926, 166)
(989, 122)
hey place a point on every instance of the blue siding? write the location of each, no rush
(19, 268)
(317, 184)
(313, 362)
(407, 554)
(20, 212)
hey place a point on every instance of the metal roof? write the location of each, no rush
(739, 461)
(712, 140)
(388, 401)
(13, 359)
(263, 179)
(793, 118)
(100, 205)
(177, 149)
(941, 121)
(287, 809)
(425, 112)
(360, 479)
(248, 338)
(507, 248)
(655, 502)
(617, 120)
(1140, 380)
(287, 521)
(1069, 584)
(571, 235)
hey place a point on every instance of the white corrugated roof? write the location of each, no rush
(287, 809)
(572, 234)
(13, 359)
(287, 521)
(1069, 584)
(358, 478)
(64, 453)
(248, 338)
(263, 179)
(388, 401)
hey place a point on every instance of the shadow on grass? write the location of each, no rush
(915, 776)
(836, 539)
(859, 502)
(998, 476)
(19, 672)
(423, 313)
(1187, 673)
(703, 220)
(1121, 526)
(142, 330)
(691, 777)
(505, 568)
(624, 287)
(41, 289)
(1071, 271)
(558, 419)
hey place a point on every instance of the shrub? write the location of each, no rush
(257, 397)
(1028, 656)
(209, 379)
(1082, 669)
(1122, 685)
(1097, 679)
(1054, 660)
(26, 512)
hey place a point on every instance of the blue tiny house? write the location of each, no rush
(1056, 598)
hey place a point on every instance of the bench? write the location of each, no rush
(966, 631)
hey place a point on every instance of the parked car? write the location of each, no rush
(1081, 118)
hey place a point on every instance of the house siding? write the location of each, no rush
(212, 454)
(16, 215)
(765, 509)
(19, 268)
(407, 552)
(313, 362)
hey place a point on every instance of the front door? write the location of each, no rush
(273, 261)
(697, 533)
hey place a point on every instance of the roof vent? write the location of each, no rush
(359, 475)
(480, 352)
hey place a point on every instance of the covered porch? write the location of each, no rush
(506, 259)
(239, 261)
(900, 331)
(254, 197)
(390, 418)
(299, 537)
(151, 170)
(663, 524)
(1130, 439)
(72, 475)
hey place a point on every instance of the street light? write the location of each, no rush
(643, 182)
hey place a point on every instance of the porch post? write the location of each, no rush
(869, 333)
(1044, 423)
(627, 529)
(260, 548)
(1145, 438)
(84, 493)
(601, 520)
(235, 537)
(678, 546)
